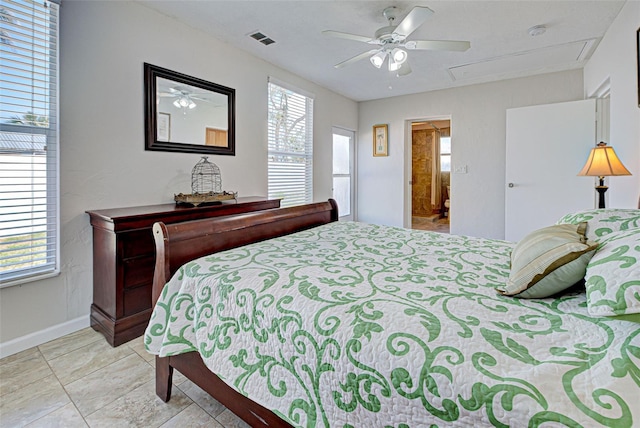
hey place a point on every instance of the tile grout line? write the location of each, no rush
(214, 417)
(84, 417)
(133, 352)
(141, 386)
(35, 380)
(69, 352)
(155, 396)
(131, 346)
(64, 386)
(53, 373)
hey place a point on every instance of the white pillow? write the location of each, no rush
(603, 221)
(613, 275)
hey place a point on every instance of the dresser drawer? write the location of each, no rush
(137, 299)
(138, 271)
(137, 243)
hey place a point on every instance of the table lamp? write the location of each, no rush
(603, 162)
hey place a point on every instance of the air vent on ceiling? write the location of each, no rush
(257, 35)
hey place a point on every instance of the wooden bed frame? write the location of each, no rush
(179, 243)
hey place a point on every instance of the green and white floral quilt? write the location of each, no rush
(358, 325)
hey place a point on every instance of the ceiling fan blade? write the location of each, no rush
(349, 36)
(355, 58)
(404, 69)
(438, 45)
(412, 21)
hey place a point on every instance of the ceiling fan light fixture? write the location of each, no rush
(391, 41)
(184, 102)
(399, 55)
(404, 70)
(378, 59)
(394, 65)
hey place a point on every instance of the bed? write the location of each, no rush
(290, 318)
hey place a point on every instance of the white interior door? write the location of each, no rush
(547, 145)
(344, 172)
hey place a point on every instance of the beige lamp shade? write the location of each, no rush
(603, 162)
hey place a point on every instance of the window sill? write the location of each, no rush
(28, 279)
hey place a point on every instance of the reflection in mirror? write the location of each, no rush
(187, 114)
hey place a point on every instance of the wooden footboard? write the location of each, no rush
(179, 243)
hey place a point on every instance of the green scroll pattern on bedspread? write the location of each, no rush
(350, 324)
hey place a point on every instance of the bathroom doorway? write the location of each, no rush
(430, 175)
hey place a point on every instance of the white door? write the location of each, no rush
(547, 145)
(344, 172)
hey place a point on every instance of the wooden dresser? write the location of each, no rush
(124, 257)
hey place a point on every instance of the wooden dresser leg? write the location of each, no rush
(164, 375)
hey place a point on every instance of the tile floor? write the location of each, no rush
(79, 380)
(433, 224)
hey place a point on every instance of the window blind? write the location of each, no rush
(29, 156)
(290, 146)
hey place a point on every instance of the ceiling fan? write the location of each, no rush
(183, 98)
(391, 41)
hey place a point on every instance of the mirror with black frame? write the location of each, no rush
(187, 114)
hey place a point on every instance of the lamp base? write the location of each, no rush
(601, 190)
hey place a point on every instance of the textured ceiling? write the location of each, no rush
(500, 44)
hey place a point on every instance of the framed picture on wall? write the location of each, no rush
(380, 140)
(164, 126)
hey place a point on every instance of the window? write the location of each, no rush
(343, 169)
(445, 154)
(28, 140)
(290, 145)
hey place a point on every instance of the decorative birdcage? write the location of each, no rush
(206, 178)
(206, 185)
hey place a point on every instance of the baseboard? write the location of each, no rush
(43, 336)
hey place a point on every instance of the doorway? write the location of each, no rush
(430, 175)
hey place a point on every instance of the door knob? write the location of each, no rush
(511, 184)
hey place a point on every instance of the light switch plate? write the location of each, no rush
(462, 169)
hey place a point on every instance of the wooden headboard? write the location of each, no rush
(179, 243)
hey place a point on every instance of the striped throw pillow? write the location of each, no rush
(548, 261)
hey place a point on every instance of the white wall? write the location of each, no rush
(615, 59)
(103, 161)
(478, 134)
